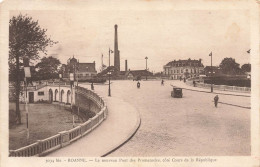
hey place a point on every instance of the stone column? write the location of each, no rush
(65, 140)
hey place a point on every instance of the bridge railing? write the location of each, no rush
(222, 87)
(42, 147)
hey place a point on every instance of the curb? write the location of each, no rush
(233, 105)
(135, 129)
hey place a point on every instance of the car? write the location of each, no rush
(177, 93)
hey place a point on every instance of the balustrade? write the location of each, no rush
(42, 147)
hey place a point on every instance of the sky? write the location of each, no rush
(161, 35)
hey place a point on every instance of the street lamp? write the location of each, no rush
(146, 66)
(71, 83)
(109, 73)
(27, 74)
(211, 73)
(77, 74)
(60, 76)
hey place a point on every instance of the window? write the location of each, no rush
(181, 71)
(40, 93)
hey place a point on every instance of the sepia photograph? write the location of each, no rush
(152, 82)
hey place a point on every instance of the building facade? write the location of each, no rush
(81, 70)
(183, 69)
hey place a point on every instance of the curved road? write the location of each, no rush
(190, 126)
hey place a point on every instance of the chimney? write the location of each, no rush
(116, 51)
(125, 65)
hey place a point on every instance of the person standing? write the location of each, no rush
(162, 83)
(194, 83)
(216, 98)
(92, 86)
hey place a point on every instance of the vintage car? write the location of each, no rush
(177, 93)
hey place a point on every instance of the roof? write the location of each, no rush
(188, 62)
(87, 67)
(124, 72)
(140, 73)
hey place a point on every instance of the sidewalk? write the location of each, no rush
(121, 124)
(183, 85)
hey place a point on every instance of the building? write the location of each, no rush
(83, 70)
(183, 69)
(138, 74)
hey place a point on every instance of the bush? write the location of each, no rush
(83, 112)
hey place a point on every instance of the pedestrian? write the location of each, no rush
(138, 84)
(92, 86)
(216, 98)
(194, 83)
(162, 83)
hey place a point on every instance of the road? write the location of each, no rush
(189, 126)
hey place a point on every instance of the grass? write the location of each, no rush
(45, 120)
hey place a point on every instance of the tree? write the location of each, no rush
(229, 66)
(26, 40)
(246, 67)
(48, 68)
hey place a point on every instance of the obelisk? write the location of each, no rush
(116, 52)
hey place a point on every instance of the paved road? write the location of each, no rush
(183, 127)
(111, 133)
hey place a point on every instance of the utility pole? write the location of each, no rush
(109, 73)
(146, 66)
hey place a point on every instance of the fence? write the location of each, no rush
(42, 147)
(222, 87)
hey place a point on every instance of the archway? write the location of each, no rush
(62, 93)
(56, 95)
(68, 97)
(50, 96)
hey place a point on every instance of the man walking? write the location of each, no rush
(216, 101)
(162, 83)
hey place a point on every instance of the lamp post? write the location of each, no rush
(27, 73)
(109, 73)
(211, 73)
(146, 66)
(77, 74)
(71, 83)
(60, 76)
